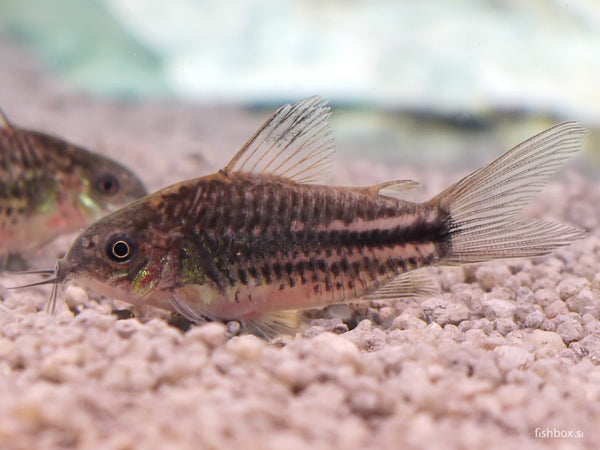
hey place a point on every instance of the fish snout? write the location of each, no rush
(61, 270)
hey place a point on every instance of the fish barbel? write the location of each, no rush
(263, 236)
(49, 187)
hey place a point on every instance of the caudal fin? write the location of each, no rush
(484, 207)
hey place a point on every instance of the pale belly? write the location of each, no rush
(313, 290)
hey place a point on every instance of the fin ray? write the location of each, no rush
(274, 323)
(180, 307)
(4, 122)
(398, 189)
(294, 143)
(484, 206)
(408, 284)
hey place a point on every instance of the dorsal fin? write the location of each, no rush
(399, 189)
(294, 143)
(4, 122)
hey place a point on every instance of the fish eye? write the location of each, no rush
(107, 184)
(121, 249)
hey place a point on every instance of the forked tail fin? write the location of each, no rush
(484, 207)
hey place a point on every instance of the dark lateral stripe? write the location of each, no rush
(419, 233)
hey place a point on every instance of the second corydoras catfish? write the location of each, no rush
(49, 187)
(264, 236)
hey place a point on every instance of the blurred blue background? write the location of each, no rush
(470, 64)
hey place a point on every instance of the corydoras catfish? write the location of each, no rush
(49, 187)
(264, 236)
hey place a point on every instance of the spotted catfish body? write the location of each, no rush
(49, 187)
(264, 235)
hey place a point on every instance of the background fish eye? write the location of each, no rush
(107, 184)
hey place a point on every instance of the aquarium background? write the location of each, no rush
(415, 81)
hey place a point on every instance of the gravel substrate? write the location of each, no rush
(506, 354)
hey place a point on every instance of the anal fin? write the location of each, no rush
(408, 284)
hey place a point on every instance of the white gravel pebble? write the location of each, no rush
(536, 339)
(534, 319)
(247, 347)
(546, 296)
(511, 357)
(584, 301)
(406, 321)
(596, 282)
(570, 330)
(444, 311)
(491, 275)
(499, 309)
(571, 286)
(213, 334)
(555, 308)
(75, 296)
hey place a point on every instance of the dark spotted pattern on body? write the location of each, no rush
(262, 231)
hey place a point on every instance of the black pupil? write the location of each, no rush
(108, 185)
(120, 249)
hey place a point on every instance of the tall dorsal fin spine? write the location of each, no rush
(294, 143)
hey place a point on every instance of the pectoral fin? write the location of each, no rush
(272, 324)
(179, 306)
(267, 325)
